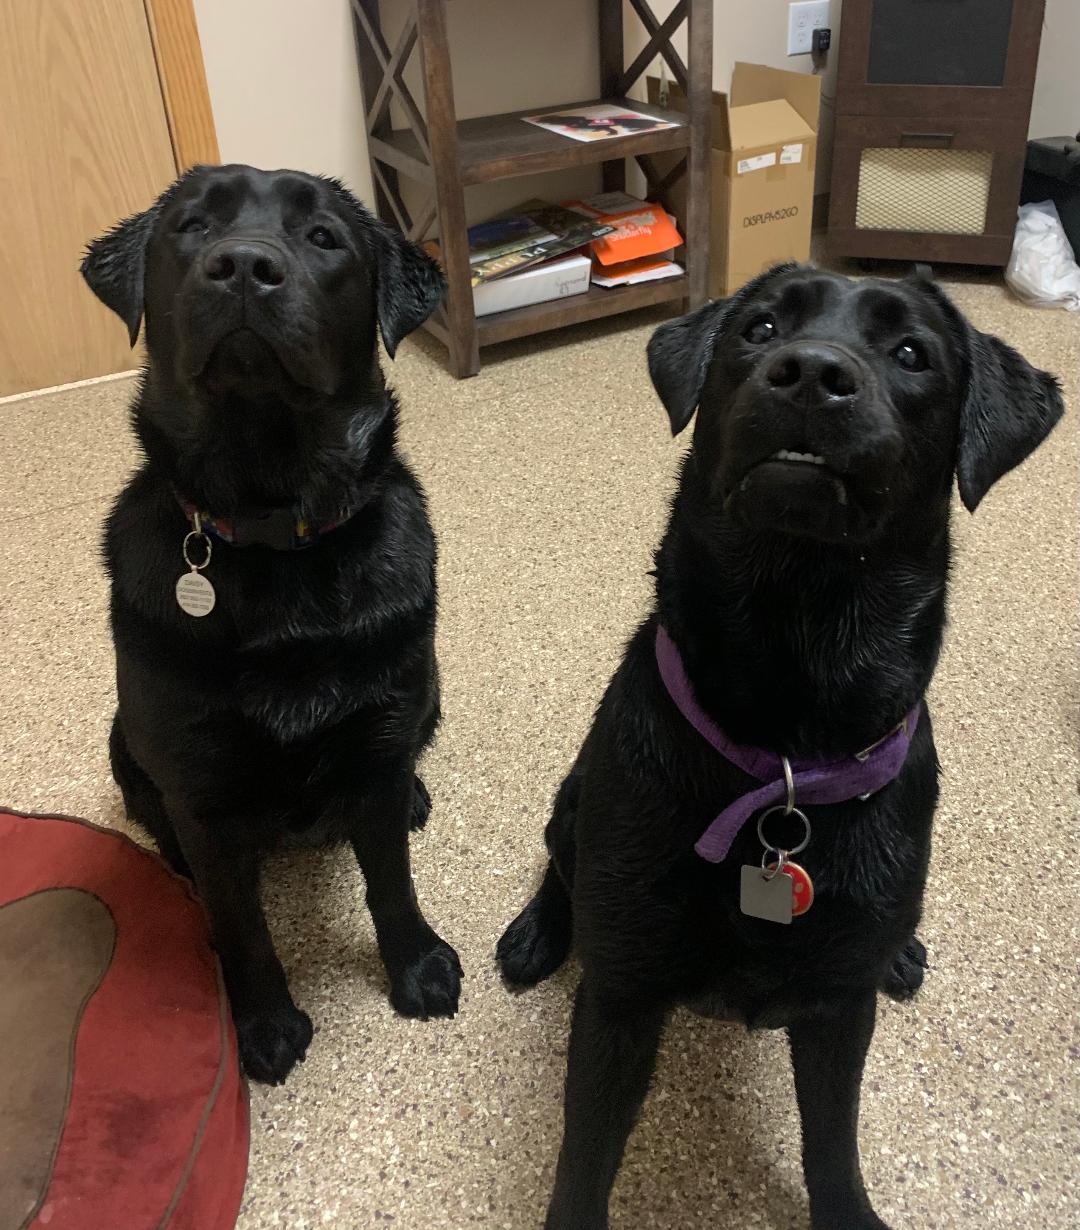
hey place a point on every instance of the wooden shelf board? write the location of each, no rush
(503, 146)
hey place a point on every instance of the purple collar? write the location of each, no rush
(816, 781)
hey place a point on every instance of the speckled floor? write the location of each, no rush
(548, 476)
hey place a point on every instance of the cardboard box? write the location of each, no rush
(556, 279)
(764, 151)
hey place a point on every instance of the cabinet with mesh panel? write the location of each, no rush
(932, 106)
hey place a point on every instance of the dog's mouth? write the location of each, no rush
(794, 492)
(788, 466)
(242, 357)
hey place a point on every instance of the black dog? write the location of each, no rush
(291, 696)
(802, 581)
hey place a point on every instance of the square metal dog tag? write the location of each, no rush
(770, 899)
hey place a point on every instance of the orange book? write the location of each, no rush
(641, 228)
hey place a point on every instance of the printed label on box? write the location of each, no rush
(791, 153)
(757, 163)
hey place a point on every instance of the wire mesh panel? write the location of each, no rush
(941, 190)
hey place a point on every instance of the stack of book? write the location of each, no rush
(530, 256)
(543, 251)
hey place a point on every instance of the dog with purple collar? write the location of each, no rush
(747, 826)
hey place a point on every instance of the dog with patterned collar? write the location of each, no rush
(800, 602)
(273, 568)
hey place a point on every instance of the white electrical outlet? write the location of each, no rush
(803, 19)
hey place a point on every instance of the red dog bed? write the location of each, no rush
(122, 1106)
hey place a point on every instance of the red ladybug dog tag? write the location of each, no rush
(802, 887)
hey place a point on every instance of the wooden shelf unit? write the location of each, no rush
(448, 155)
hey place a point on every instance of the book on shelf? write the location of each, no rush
(498, 236)
(541, 231)
(598, 122)
(556, 277)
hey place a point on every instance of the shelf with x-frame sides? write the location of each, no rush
(447, 155)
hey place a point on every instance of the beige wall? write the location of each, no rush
(284, 87)
(1055, 109)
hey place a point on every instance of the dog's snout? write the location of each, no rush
(813, 372)
(245, 260)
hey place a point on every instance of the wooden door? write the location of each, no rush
(84, 141)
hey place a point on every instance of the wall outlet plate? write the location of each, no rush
(803, 19)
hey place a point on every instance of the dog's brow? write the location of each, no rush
(884, 308)
(803, 297)
(223, 197)
(298, 194)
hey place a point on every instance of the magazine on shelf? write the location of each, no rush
(598, 122)
(558, 230)
(554, 278)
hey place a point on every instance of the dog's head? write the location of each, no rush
(835, 409)
(253, 279)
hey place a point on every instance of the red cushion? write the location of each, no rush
(132, 1111)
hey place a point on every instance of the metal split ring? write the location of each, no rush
(789, 786)
(768, 873)
(780, 807)
(197, 532)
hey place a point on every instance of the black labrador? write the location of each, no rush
(284, 689)
(801, 588)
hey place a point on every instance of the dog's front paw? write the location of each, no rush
(430, 985)
(907, 972)
(273, 1041)
(533, 946)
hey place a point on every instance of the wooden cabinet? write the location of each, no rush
(932, 106)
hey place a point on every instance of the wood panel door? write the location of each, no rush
(84, 141)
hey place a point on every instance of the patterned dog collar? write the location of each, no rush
(278, 528)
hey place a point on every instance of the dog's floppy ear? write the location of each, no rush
(114, 267)
(679, 355)
(408, 284)
(1009, 408)
(680, 352)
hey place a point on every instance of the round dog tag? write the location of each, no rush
(802, 887)
(195, 595)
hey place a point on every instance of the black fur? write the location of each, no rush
(808, 602)
(297, 709)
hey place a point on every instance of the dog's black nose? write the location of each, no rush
(244, 260)
(814, 373)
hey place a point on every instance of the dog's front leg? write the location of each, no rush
(612, 1055)
(827, 1055)
(425, 973)
(272, 1033)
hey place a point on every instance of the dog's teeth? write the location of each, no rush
(786, 455)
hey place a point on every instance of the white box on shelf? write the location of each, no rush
(557, 279)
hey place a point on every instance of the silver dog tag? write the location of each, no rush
(766, 896)
(195, 595)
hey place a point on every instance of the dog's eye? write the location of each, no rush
(761, 330)
(192, 225)
(910, 355)
(322, 238)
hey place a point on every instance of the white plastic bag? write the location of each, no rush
(1042, 270)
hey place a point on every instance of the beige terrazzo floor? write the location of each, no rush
(548, 476)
